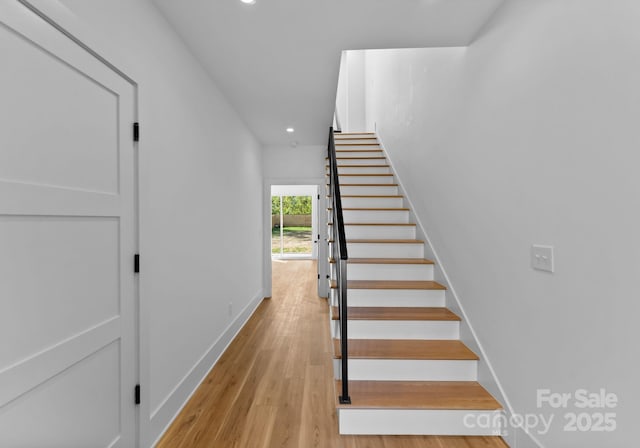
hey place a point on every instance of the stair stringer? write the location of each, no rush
(487, 376)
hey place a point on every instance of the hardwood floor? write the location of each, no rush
(274, 385)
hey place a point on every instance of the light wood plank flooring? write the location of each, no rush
(274, 385)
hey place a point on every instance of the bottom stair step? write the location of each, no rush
(418, 407)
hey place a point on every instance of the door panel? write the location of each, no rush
(44, 270)
(67, 239)
(33, 422)
(59, 115)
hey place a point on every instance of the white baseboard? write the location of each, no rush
(169, 409)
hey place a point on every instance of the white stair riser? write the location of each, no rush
(370, 152)
(409, 370)
(338, 136)
(373, 202)
(373, 179)
(380, 232)
(368, 190)
(361, 271)
(385, 250)
(354, 139)
(418, 422)
(375, 216)
(386, 271)
(351, 146)
(333, 301)
(399, 329)
(378, 160)
(363, 169)
(395, 297)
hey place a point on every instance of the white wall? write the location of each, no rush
(301, 162)
(350, 94)
(201, 273)
(294, 190)
(356, 92)
(530, 135)
(341, 94)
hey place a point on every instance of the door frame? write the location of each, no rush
(321, 217)
(57, 15)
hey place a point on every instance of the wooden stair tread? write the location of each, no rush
(356, 138)
(390, 261)
(381, 241)
(364, 175)
(384, 241)
(392, 284)
(456, 395)
(357, 158)
(357, 149)
(371, 196)
(386, 261)
(377, 224)
(412, 261)
(406, 349)
(374, 208)
(365, 185)
(338, 134)
(397, 313)
(360, 166)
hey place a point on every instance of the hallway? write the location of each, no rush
(273, 386)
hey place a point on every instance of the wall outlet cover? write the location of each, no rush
(542, 258)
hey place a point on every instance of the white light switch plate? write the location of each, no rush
(542, 258)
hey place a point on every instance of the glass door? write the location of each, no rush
(292, 226)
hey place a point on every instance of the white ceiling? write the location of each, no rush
(277, 61)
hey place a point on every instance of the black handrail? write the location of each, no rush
(338, 250)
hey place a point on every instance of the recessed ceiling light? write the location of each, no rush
(290, 130)
(248, 2)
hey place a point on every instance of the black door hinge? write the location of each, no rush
(318, 196)
(137, 394)
(136, 263)
(136, 132)
(318, 276)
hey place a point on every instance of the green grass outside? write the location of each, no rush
(297, 240)
(290, 250)
(276, 230)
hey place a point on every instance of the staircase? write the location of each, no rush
(408, 371)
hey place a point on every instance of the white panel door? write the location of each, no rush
(67, 239)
